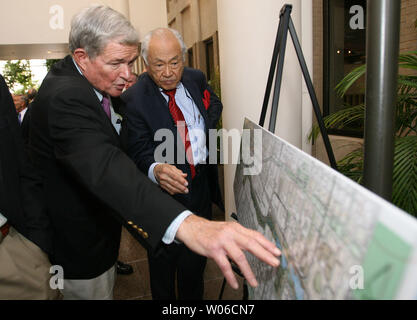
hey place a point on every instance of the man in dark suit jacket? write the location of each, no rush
(24, 268)
(91, 185)
(148, 112)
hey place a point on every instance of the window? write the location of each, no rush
(210, 59)
(190, 58)
(344, 50)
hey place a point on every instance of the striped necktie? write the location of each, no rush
(182, 128)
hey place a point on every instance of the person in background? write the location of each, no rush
(131, 81)
(165, 96)
(21, 103)
(31, 95)
(25, 232)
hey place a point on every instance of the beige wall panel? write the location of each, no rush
(147, 15)
(173, 24)
(341, 147)
(48, 21)
(176, 6)
(208, 17)
(40, 21)
(188, 31)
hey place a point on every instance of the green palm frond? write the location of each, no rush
(350, 79)
(405, 174)
(340, 119)
(405, 155)
(407, 81)
(352, 165)
(408, 60)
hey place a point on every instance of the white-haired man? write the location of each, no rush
(194, 183)
(92, 186)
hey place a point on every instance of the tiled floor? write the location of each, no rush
(136, 286)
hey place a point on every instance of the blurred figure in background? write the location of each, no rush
(21, 102)
(25, 234)
(131, 81)
(31, 95)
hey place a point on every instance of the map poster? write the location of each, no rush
(338, 239)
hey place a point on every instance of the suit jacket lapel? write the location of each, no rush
(160, 106)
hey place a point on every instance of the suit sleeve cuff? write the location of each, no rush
(151, 174)
(169, 236)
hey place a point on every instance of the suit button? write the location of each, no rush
(145, 235)
(140, 230)
(130, 223)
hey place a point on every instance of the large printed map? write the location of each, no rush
(339, 240)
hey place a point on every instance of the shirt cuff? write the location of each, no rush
(169, 235)
(151, 174)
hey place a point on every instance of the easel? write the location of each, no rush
(286, 24)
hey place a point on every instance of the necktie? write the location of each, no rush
(181, 127)
(105, 103)
(19, 117)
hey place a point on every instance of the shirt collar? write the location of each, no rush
(179, 87)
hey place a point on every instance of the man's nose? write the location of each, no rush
(167, 71)
(126, 71)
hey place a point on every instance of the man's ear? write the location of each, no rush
(81, 58)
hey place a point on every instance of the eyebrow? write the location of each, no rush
(116, 61)
(157, 60)
(123, 60)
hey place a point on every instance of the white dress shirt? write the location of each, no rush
(195, 124)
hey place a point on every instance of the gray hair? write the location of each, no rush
(94, 27)
(148, 37)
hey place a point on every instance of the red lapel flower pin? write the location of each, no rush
(206, 99)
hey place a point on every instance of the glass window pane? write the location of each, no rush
(346, 50)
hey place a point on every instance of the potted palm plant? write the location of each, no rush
(405, 155)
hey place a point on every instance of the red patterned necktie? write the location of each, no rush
(181, 127)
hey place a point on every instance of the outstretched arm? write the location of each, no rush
(223, 240)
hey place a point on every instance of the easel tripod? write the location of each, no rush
(286, 24)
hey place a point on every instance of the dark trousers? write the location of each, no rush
(175, 263)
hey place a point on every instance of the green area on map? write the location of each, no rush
(384, 265)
